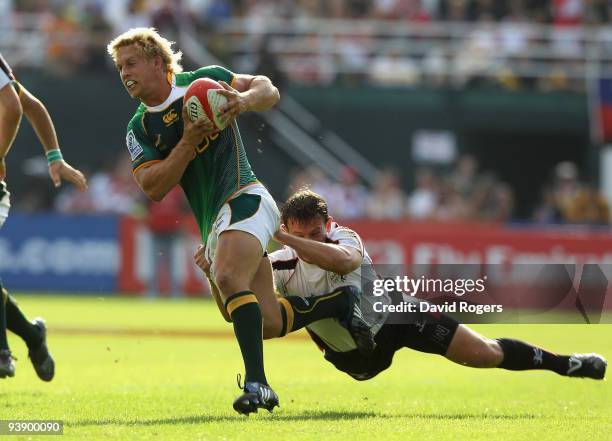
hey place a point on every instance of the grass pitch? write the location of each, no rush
(136, 370)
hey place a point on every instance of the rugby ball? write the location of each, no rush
(203, 101)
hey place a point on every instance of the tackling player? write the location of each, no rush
(303, 267)
(16, 101)
(236, 215)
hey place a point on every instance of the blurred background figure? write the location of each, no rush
(423, 200)
(577, 202)
(387, 199)
(166, 222)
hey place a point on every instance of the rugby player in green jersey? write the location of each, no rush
(236, 215)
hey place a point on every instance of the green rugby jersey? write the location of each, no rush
(220, 167)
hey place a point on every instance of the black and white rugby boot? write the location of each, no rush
(255, 396)
(587, 366)
(7, 366)
(41, 359)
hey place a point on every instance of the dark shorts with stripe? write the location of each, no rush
(422, 331)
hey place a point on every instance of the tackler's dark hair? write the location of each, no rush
(303, 206)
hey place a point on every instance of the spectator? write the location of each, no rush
(464, 176)
(65, 42)
(451, 206)
(353, 195)
(491, 200)
(424, 199)
(387, 200)
(589, 207)
(99, 31)
(565, 189)
(164, 221)
(393, 69)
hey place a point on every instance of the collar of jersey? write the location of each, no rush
(175, 93)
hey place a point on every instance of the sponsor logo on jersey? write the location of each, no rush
(134, 148)
(170, 117)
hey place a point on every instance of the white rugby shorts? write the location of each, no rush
(252, 210)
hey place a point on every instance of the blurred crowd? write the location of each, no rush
(499, 46)
(567, 199)
(461, 193)
(152, 12)
(76, 34)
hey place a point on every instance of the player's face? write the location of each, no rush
(314, 229)
(138, 73)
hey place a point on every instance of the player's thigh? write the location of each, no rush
(9, 103)
(470, 348)
(236, 261)
(263, 287)
(419, 329)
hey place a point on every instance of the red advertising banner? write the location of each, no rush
(399, 242)
(387, 242)
(138, 254)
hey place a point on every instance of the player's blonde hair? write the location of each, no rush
(151, 43)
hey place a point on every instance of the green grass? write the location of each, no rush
(137, 387)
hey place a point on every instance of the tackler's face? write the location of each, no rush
(138, 73)
(314, 229)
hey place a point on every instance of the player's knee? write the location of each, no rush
(495, 354)
(271, 329)
(490, 354)
(472, 349)
(227, 281)
(272, 322)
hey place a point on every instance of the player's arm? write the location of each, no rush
(328, 256)
(204, 264)
(37, 114)
(248, 93)
(10, 117)
(157, 178)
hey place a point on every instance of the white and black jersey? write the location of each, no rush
(294, 277)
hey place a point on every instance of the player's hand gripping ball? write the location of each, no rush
(203, 101)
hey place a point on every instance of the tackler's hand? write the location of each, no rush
(281, 234)
(201, 260)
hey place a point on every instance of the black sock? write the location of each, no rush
(246, 317)
(298, 312)
(3, 298)
(520, 356)
(17, 323)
